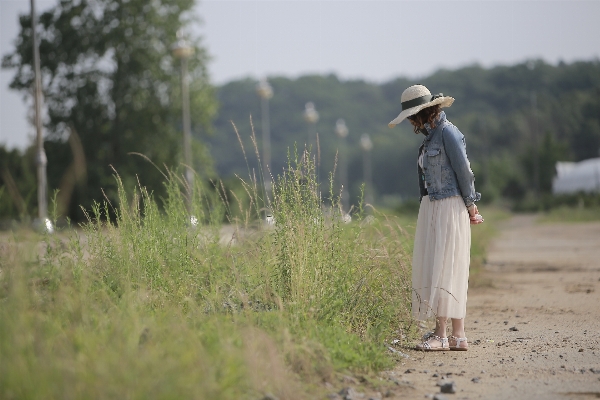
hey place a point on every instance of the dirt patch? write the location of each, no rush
(534, 333)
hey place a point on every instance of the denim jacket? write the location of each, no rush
(446, 168)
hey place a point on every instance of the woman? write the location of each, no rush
(443, 238)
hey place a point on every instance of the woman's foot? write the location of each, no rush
(458, 343)
(433, 343)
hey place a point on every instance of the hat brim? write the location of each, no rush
(442, 101)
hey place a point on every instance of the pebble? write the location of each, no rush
(513, 329)
(349, 393)
(434, 375)
(581, 350)
(439, 397)
(270, 396)
(449, 387)
(475, 380)
(398, 352)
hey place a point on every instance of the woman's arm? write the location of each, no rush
(456, 150)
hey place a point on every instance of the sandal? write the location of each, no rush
(426, 345)
(457, 343)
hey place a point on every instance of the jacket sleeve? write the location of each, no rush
(456, 150)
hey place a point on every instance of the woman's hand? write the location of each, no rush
(474, 215)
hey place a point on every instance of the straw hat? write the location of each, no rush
(417, 97)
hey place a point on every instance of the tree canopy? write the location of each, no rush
(112, 88)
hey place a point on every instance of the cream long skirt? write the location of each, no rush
(441, 259)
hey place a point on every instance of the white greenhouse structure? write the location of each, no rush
(573, 177)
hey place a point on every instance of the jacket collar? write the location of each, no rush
(438, 122)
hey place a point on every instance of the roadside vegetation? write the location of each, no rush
(143, 303)
(579, 207)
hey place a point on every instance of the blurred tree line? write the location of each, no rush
(112, 88)
(518, 121)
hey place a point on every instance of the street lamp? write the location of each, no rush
(265, 92)
(183, 51)
(367, 145)
(536, 151)
(341, 130)
(311, 116)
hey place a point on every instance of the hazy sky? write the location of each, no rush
(368, 39)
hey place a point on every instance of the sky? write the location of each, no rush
(363, 39)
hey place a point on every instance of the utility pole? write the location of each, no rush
(311, 116)
(536, 146)
(40, 159)
(367, 146)
(183, 50)
(265, 92)
(341, 130)
(486, 152)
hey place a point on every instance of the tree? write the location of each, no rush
(111, 82)
(17, 183)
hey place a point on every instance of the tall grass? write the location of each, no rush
(140, 303)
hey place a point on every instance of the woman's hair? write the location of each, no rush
(426, 115)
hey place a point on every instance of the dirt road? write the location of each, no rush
(534, 333)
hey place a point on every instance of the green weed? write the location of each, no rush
(146, 302)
